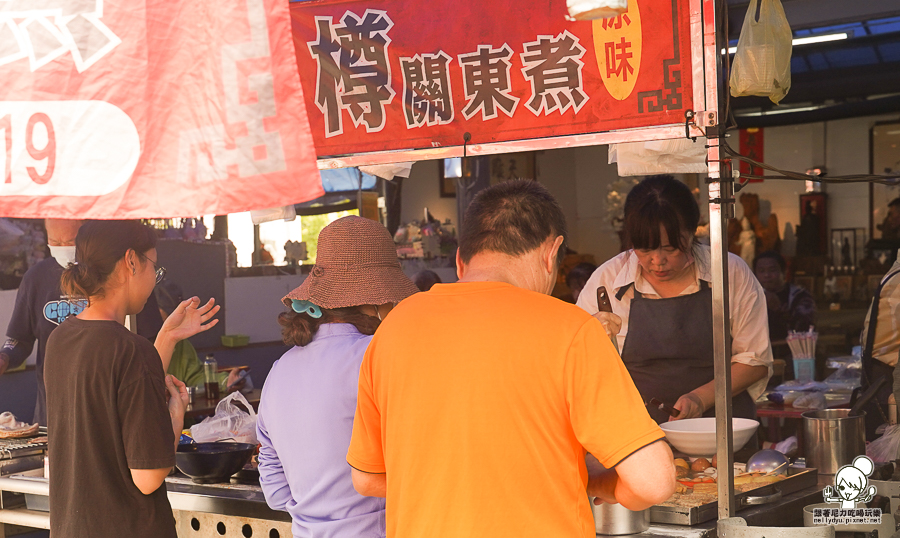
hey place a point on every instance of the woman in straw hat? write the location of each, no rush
(309, 399)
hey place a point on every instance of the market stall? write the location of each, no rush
(652, 73)
(391, 85)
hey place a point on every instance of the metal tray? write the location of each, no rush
(798, 478)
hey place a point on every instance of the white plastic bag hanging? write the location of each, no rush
(585, 10)
(286, 213)
(678, 156)
(388, 171)
(762, 63)
(886, 447)
(231, 422)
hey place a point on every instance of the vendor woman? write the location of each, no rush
(661, 297)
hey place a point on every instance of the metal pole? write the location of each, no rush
(720, 196)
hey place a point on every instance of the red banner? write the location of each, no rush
(391, 75)
(751, 144)
(155, 108)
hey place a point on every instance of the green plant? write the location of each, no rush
(312, 225)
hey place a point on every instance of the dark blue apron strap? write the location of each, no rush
(867, 358)
(623, 290)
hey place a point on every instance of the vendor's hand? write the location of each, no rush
(689, 406)
(189, 318)
(233, 376)
(611, 323)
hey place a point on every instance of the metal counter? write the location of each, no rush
(200, 510)
(788, 512)
(227, 510)
(224, 499)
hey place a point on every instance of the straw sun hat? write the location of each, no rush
(356, 264)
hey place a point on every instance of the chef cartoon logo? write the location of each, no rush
(851, 487)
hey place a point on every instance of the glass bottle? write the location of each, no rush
(210, 376)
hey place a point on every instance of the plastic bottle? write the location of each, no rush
(210, 376)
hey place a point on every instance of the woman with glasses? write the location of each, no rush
(114, 415)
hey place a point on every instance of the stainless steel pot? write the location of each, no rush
(832, 439)
(616, 520)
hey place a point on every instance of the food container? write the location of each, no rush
(832, 438)
(804, 369)
(697, 436)
(694, 514)
(36, 488)
(208, 463)
(235, 340)
(616, 520)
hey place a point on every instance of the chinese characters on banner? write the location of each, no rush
(150, 108)
(751, 144)
(383, 77)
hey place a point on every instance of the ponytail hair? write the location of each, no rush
(299, 329)
(99, 246)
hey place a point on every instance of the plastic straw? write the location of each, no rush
(803, 344)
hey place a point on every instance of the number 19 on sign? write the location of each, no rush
(40, 143)
(65, 148)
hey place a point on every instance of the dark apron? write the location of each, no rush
(669, 349)
(873, 369)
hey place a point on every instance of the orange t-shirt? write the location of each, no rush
(479, 399)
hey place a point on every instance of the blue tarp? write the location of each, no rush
(345, 179)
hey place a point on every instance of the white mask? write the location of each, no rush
(63, 255)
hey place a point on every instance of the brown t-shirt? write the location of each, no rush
(106, 414)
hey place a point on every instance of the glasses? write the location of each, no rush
(160, 270)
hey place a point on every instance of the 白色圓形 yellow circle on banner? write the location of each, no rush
(618, 46)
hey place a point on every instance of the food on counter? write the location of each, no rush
(11, 428)
(709, 488)
(759, 479)
(700, 464)
(681, 472)
(703, 489)
(715, 462)
(682, 463)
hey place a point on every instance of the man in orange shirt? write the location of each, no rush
(478, 400)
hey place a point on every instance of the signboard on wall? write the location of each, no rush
(150, 108)
(751, 144)
(390, 75)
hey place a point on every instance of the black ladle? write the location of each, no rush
(867, 396)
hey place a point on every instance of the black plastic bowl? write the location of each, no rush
(208, 463)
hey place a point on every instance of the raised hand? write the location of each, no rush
(190, 318)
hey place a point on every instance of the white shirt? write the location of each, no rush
(747, 304)
(886, 346)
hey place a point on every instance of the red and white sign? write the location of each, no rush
(395, 75)
(150, 108)
(751, 144)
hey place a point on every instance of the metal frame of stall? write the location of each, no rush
(708, 85)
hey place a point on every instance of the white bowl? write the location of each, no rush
(697, 436)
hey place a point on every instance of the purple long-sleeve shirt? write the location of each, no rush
(304, 425)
